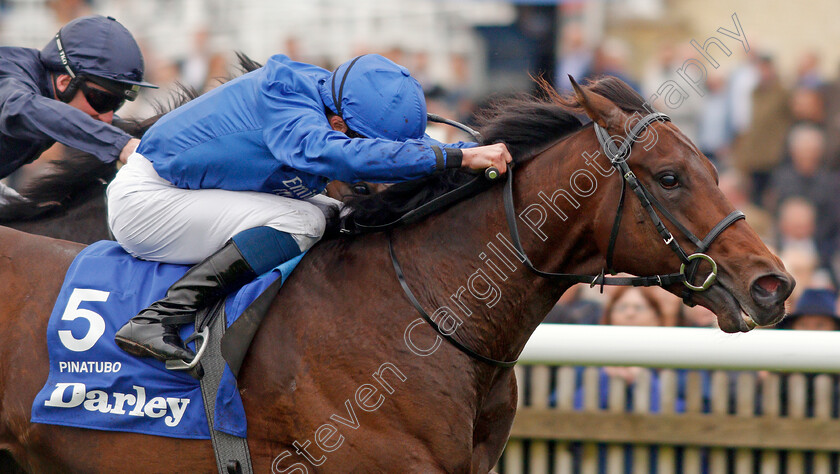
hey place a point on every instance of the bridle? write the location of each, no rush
(618, 158)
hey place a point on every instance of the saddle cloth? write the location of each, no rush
(94, 384)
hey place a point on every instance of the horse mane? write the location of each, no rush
(76, 171)
(526, 123)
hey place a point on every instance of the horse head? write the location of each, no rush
(681, 183)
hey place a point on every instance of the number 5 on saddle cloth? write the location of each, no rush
(94, 384)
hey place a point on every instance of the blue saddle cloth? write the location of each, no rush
(94, 384)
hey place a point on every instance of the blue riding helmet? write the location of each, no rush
(377, 98)
(97, 46)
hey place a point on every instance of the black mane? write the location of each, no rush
(525, 123)
(76, 171)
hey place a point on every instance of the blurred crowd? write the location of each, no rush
(774, 141)
(774, 137)
(183, 47)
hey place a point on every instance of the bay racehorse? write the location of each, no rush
(343, 376)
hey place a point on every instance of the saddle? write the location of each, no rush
(94, 384)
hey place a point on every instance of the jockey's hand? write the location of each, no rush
(483, 157)
(128, 149)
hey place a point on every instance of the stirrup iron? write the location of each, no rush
(179, 364)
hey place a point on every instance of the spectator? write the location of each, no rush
(807, 105)
(698, 317)
(575, 58)
(837, 306)
(195, 67)
(670, 305)
(683, 106)
(805, 176)
(714, 131)
(831, 98)
(68, 10)
(460, 97)
(742, 84)
(759, 150)
(802, 175)
(628, 306)
(797, 225)
(611, 59)
(572, 308)
(436, 104)
(802, 264)
(808, 71)
(815, 311)
(421, 71)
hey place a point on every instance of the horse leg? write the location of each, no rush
(493, 424)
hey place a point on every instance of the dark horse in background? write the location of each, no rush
(345, 368)
(68, 203)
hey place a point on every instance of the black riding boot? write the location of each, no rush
(154, 332)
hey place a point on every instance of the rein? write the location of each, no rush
(441, 202)
(448, 337)
(618, 158)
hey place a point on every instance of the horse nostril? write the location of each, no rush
(768, 283)
(769, 289)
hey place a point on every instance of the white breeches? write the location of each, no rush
(155, 220)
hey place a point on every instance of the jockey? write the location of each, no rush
(68, 93)
(233, 179)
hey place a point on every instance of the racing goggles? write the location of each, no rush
(100, 100)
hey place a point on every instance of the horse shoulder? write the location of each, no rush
(331, 352)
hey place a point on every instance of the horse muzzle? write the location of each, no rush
(769, 293)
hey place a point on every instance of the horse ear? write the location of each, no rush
(600, 109)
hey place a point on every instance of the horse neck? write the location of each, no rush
(465, 254)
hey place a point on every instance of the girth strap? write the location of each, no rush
(231, 452)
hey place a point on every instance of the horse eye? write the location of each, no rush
(361, 189)
(668, 181)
